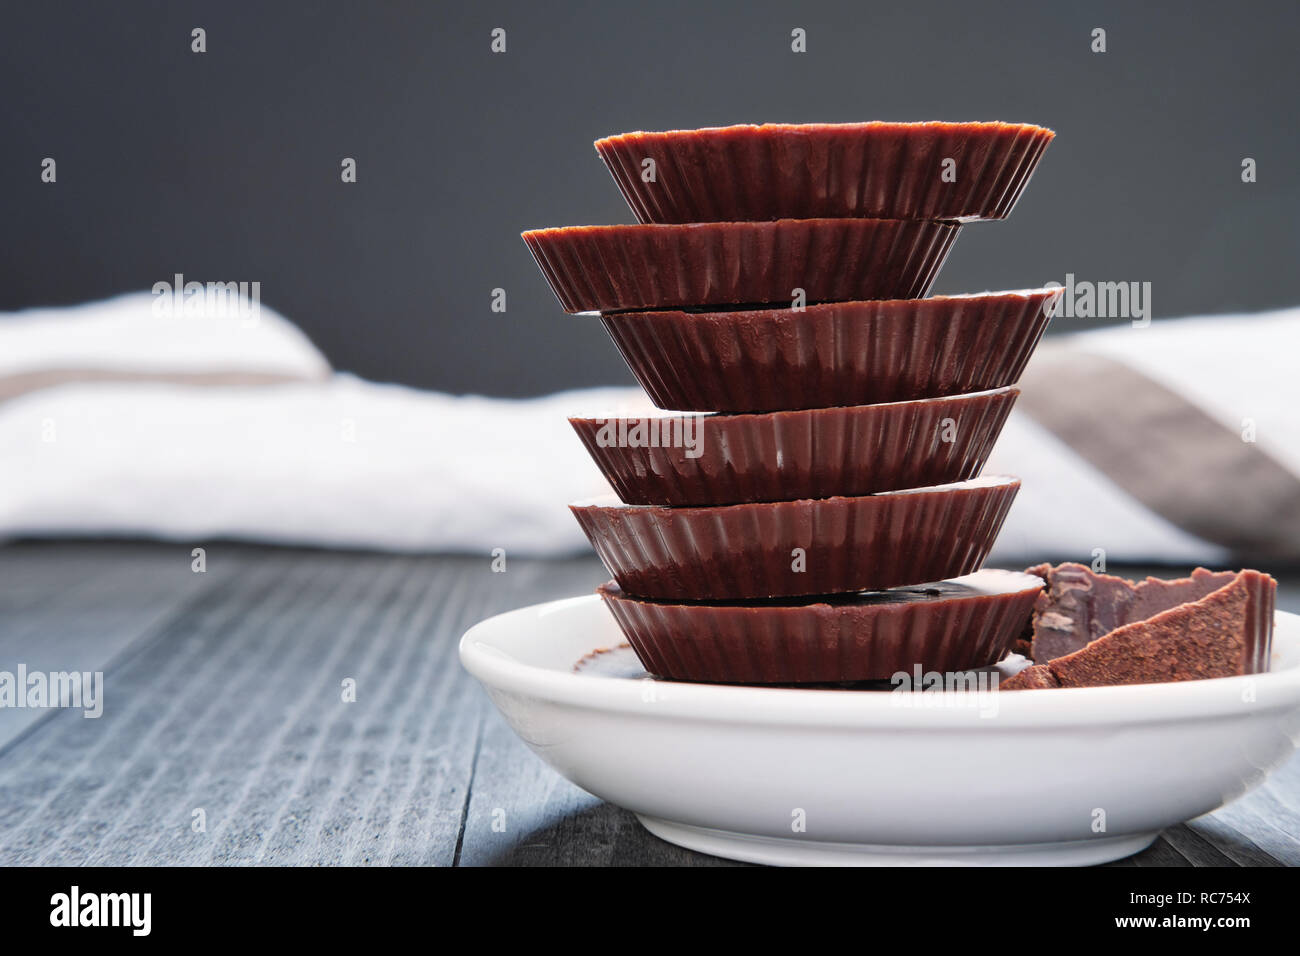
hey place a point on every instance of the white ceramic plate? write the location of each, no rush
(799, 776)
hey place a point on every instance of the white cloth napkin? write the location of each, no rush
(131, 336)
(341, 462)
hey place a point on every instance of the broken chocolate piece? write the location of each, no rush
(1213, 636)
(1037, 677)
(1080, 605)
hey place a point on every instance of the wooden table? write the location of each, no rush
(224, 694)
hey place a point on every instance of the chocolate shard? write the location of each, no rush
(1218, 635)
(1081, 605)
(1037, 677)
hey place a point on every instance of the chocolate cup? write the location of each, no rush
(840, 353)
(949, 626)
(612, 268)
(793, 548)
(782, 456)
(779, 171)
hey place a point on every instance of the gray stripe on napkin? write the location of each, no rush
(20, 383)
(1165, 451)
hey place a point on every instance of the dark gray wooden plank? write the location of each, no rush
(233, 704)
(1256, 830)
(239, 750)
(236, 708)
(1161, 853)
(522, 813)
(67, 777)
(1195, 849)
(70, 608)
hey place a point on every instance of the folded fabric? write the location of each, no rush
(1169, 443)
(339, 463)
(1191, 418)
(140, 336)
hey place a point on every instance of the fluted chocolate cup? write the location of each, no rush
(957, 171)
(944, 627)
(798, 261)
(692, 459)
(838, 353)
(791, 548)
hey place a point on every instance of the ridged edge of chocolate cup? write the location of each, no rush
(612, 268)
(834, 354)
(739, 552)
(810, 453)
(873, 170)
(1260, 605)
(817, 642)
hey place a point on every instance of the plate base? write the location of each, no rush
(792, 851)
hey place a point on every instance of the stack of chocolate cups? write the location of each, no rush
(809, 507)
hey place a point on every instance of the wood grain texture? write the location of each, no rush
(224, 692)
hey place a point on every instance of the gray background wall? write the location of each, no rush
(225, 165)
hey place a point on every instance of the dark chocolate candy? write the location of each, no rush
(611, 268)
(1208, 625)
(1081, 605)
(789, 548)
(841, 353)
(782, 456)
(948, 626)
(1218, 635)
(1036, 677)
(779, 171)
